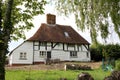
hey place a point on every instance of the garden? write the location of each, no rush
(98, 70)
(19, 74)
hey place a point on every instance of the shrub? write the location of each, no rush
(115, 75)
(117, 64)
(96, 52)
(107, 51)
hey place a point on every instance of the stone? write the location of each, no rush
(84, 76)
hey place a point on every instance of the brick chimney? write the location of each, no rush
(51, 19)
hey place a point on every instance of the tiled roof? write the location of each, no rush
(57, 33)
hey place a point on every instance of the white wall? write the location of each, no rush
(65, 55)
(26, 47)
(56, 53)
(37, 57)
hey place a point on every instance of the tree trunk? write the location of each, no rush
(2, 70)
(5, 32)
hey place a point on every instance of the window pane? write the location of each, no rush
(73, 54)
(42, 54)
(23, 56)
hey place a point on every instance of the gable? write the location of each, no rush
(22, 46)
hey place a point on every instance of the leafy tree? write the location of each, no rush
(94, 15)
(16, 17)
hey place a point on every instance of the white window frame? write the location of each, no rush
(42, 54)
(23, 56)
(73, 54)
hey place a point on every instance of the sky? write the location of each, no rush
(62, 20)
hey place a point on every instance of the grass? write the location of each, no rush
(97, 74)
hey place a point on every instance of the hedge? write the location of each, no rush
(105, 51)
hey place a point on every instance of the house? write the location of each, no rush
(51, 41)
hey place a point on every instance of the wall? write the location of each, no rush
(57, 52)
(26, 47)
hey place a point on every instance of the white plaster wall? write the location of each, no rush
(24, 47)
(71, 48)
(65, 56)
(62, 55)
(37, 57)
(58, 46)
(83, 48)
(42, 48)
(36, 43)
(82, 56)
(56, 53)
(10, 60)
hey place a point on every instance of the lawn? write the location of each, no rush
(97, 74)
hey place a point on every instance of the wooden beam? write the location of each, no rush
(53, 46)
(86, 46)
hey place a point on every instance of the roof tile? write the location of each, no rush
(57, 33)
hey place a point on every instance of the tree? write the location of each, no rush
(93, 15)
(16, 17)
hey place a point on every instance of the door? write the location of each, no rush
(48, 54)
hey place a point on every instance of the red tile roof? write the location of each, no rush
(57, 33)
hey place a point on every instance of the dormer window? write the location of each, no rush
(66, 34)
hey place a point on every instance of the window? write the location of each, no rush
(23, 56)
(73, 54)
(66, 34)
(42, 54)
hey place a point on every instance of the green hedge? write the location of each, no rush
(108, 51)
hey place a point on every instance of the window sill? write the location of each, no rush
(23, 59)
(74, 57)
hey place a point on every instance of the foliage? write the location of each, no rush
(97, 74)
(22, 14)
(115, 75)
(106, 51)
(93, 15)
(16, 17)
(117, 66)
(96, 52)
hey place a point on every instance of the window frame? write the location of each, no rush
(42, 54)
(73, 54)
(23, 56)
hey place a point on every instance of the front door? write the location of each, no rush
(48, 54)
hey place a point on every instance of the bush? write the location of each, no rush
(107, 51)
(117, 64)
(96, 52)
(115, 75)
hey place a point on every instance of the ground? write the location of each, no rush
(58, 66)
